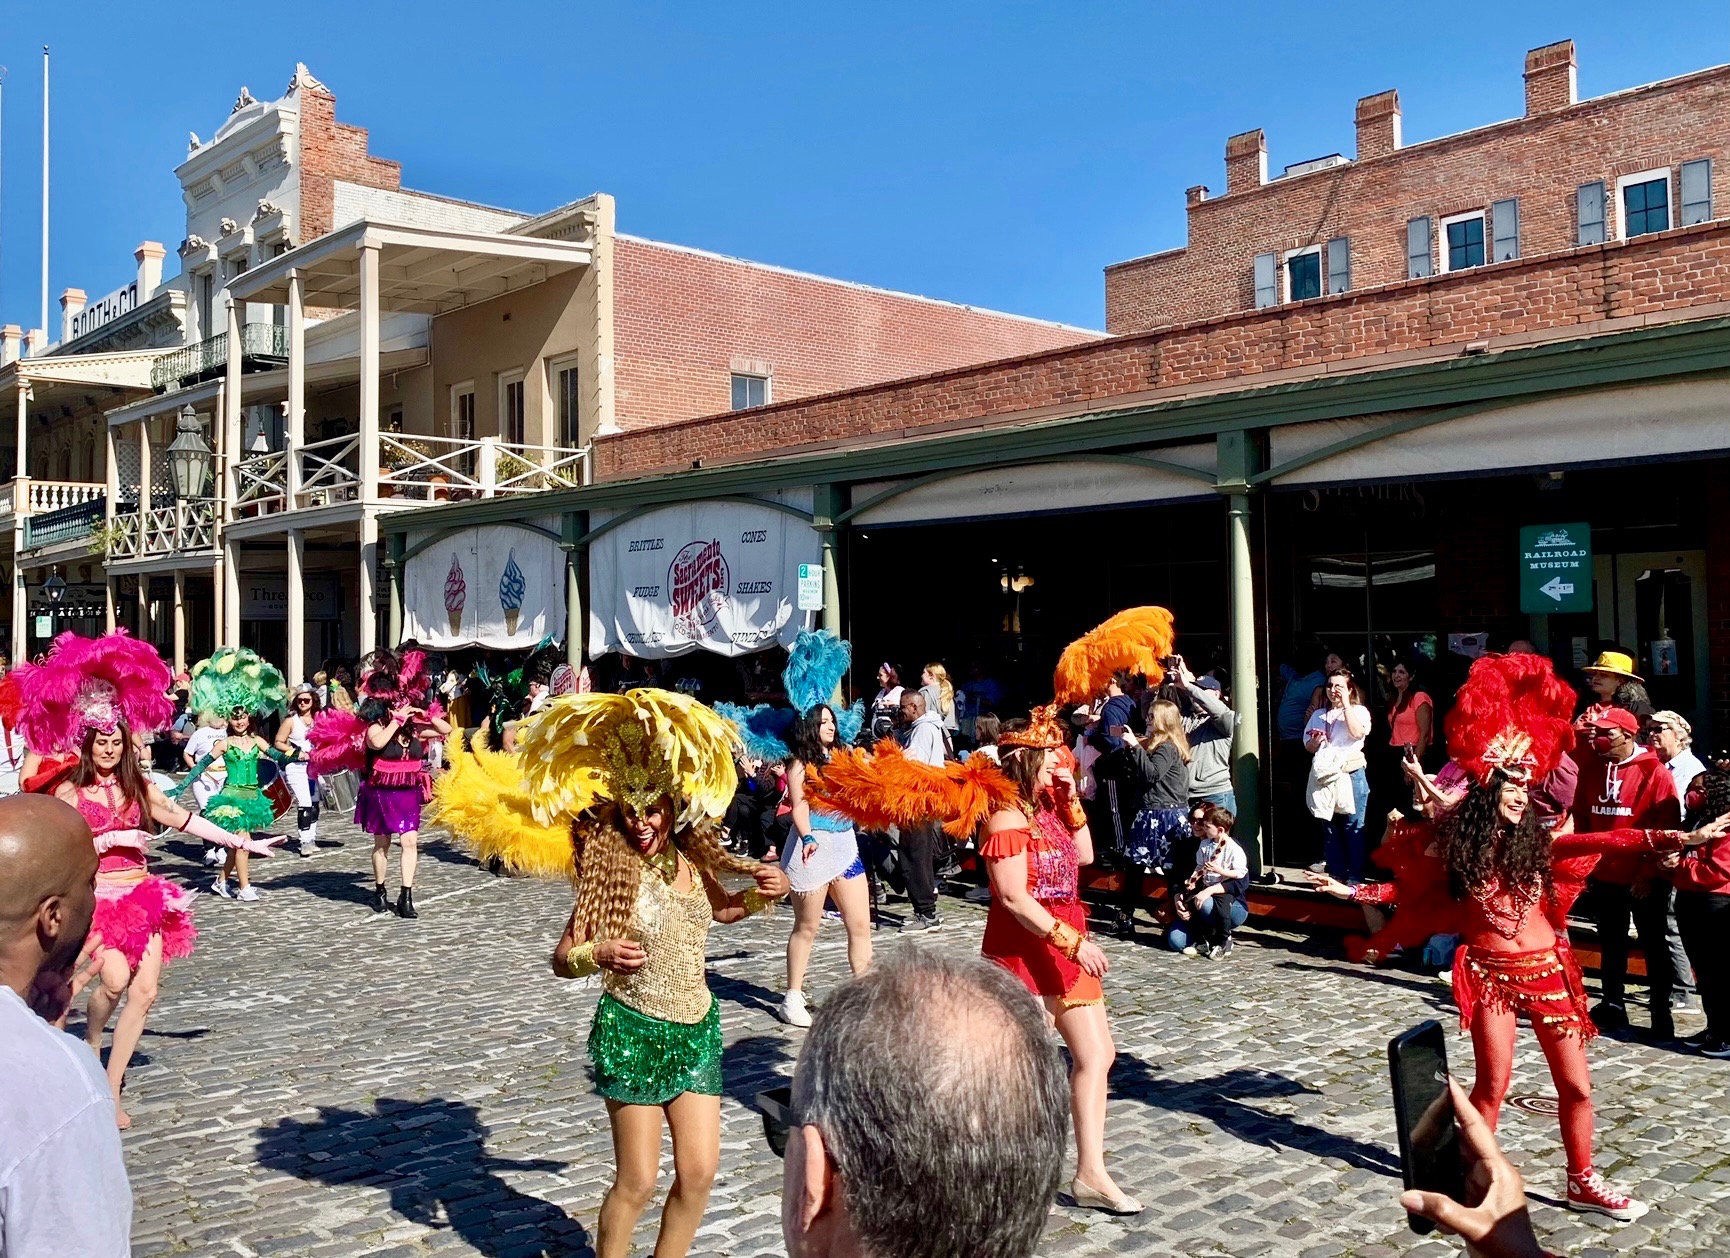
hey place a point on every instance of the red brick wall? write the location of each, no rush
(1540, 159)
(682, 320)
(1555, 294)
(329, 151)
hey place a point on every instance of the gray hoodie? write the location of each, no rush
(1210, 732)
(925, 739)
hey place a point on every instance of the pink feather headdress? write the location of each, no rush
(92, 683)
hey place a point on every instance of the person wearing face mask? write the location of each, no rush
(636, 785)
(1623, 785)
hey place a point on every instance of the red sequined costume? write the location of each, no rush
(1053, 878)
(133, 904)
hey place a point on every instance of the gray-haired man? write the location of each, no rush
(929, 1116)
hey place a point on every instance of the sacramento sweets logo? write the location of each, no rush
(698, 582)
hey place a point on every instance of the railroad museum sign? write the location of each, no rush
(711, 576)
(1556, 568)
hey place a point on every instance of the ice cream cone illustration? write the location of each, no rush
(456, 594)
(512, 586)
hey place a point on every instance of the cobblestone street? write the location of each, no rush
(318, 1080)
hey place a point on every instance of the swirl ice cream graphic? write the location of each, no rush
(512, 586)
(456, 594)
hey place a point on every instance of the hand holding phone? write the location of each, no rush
(1496, 1222)
(1424, 1117)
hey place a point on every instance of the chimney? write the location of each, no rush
(1195, 195)
(1550, 78)
(149, 255)
(71, 306)
(1378, 125)
(11, 339)
(35, 341)
(1245, 161)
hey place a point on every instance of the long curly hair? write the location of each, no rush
(1480, 848)
(608, 870)
(1714, 799)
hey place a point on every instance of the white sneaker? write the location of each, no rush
(220, 887)
(213, 856)
(308, 847)
(793, 1010)
(249, 894)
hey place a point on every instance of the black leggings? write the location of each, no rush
(1704, 920)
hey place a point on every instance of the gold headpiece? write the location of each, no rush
(1043, 729)
(631, 749)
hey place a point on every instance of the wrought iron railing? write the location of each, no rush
(68, 524)
(265, 344)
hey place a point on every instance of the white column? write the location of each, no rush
(231, 413)
(230, 594)
(143, 478)
(143, 630)
(218, 588)
(179, 621)
(295, 420)
(295, 665)
(365, 589)
(369, 356)
(20, 507)
(20, 627)
(111, 499)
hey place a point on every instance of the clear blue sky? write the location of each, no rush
(993, 153)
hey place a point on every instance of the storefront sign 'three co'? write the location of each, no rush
(711, 576)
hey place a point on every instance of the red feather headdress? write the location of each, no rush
(883, 788)
(1514, 715)
(1136, 639)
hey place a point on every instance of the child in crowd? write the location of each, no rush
(1214, 900)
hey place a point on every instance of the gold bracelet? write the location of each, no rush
(1064, 938)
(580, 961)
(756, 902)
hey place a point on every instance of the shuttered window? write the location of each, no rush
(1697, 191)
(1266, 280)
(1505, 229)
(1339, 264)
(1303, 275)
(1418, 263)
(1589, 199)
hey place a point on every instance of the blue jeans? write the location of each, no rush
(1343, 835)
(1225, 799)
(1212, 924)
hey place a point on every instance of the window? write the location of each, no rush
(463, 411)
(1303, 274)
(1697, 192)
(562, 373)
(1505, 223)
(206, 299)
(1266, 280)
(1339, 264)
(1463, 241)
(1589, 198)
(511, 393)
(1418, 262)
(1644, 200)
(749, 391)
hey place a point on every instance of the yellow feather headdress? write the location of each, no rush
(630, 749)
(480, 797)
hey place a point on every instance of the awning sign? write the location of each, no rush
(711, 576)
(494, 585)
(1556, 568)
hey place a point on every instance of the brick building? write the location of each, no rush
(1350, 470)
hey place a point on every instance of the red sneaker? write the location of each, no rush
(1589, 1192)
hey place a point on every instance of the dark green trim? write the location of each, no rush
(434, 538)
(601, 530)
(1504, 378)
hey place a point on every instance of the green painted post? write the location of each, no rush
(393, 567)
(1238, 459)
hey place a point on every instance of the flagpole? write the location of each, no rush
(46, 338)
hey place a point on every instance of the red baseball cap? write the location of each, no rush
(1616, 718)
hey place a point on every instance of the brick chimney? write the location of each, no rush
(72, 303)
(1550, 78)
(11, 341)
(1195, 195)
(149, 256)
(1245, 161)
(1378, 125)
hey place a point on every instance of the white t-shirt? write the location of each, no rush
(1230, 855)
(1332, 722)
(63, 1186)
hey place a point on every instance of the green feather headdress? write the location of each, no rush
(237, 678)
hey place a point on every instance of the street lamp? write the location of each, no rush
(55, 586)
(188, 455)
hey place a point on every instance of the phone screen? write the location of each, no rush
(1424, 1112)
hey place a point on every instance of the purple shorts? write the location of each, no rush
(387, 809)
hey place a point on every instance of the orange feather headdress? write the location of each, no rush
(1136, 639)
(884, 788)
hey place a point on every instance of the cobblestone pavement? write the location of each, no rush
(318, 1080)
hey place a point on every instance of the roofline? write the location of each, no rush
(856, 285)
(439, 196)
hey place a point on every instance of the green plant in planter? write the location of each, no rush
(104, 537)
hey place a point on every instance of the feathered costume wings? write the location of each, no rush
(763, 729)
(884, 788)
(1136, 639)
(116, 673)
(338, 740)
(480, 797)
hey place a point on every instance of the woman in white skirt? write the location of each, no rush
(294, 739)
(821, 859)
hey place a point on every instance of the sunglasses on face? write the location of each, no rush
(776, 1106)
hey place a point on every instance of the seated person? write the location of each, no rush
(1214, 900)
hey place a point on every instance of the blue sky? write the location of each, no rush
(992, 153)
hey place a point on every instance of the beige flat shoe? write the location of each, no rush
(1089, 1199)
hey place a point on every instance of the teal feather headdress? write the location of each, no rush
(815, 667)
(237, 678)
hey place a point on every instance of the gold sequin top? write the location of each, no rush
(673, 927)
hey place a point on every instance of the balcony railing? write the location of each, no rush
(178, 527)
(56, 495)
(64, 524)
(427, 469)
(261, 345)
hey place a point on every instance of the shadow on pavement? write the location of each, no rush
(755, 1064)
(342, 886)
(1222, 1101)
(1438, 995)
(743, 992)
(431, 1157)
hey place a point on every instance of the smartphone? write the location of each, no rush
(1424, 1116)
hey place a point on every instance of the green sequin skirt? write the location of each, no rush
(240, 809)
(640, 1060)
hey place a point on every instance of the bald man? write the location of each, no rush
(63, 1186)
